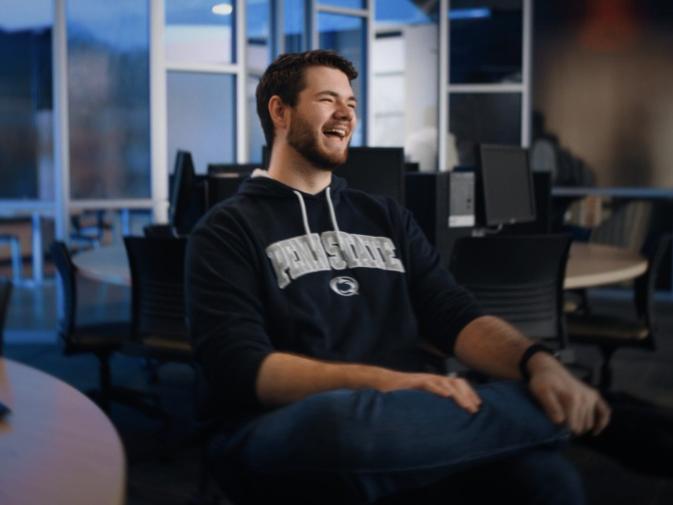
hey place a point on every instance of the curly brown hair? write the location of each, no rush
(285, 78)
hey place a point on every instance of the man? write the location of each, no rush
(309, 304)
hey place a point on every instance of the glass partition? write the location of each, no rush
(405, 79)
(258, 57)
(485, 42)
(108, 91)
(492, 118)
(346, 35)
(26, 111)
(352, 4)
(199, 31)
(294, 19)
(201, 117)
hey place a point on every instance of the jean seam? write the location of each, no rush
(483, 455)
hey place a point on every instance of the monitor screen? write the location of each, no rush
(506, 184)
(376, 170)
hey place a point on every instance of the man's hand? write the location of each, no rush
(566, 399)
(448, 387)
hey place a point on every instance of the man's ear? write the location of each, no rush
(279, 112)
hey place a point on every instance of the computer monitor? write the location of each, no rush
(187, 202)
(232, 168)
(506, 185)
(376, 170)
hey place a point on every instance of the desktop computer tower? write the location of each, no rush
(443, 204)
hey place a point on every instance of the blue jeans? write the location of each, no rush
(361, 446)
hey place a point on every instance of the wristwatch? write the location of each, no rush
(527, 355)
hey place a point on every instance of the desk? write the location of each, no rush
(56, 446)
(589, 265)
(105, 264)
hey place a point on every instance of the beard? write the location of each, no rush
(304, 140)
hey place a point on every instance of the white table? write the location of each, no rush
(56, 446)
(589, 265)
(105, 264)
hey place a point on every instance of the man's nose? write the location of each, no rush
(345, 112)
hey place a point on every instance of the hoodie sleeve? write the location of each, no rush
(224, 309)
(443, 308)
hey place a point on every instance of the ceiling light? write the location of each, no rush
(222, 9)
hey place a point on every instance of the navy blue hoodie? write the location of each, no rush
(342, 276)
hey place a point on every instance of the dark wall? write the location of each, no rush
(603, 80)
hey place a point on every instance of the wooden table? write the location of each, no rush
(56, 446)
(589, 265)
(105, 264)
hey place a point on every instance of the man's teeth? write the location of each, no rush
(340, 133)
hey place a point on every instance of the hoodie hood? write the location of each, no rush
(260, 184)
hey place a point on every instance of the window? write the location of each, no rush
(199, 31)
(108, 91)
(26, 112)
(346, 35)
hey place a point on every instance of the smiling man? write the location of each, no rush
(310, 304)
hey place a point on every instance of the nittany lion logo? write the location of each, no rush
(344, 286)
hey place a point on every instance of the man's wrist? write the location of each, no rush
(533, 356)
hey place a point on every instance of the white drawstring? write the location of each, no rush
(332, 216)
(304, 217)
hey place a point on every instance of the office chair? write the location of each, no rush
(159, 324)
(610, 333)
(158, 321)
(157, 230)
(518, 278)
(5, 295)
(101, 339)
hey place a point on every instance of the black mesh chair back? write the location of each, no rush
(518, 278)
(160, 231)
(157, 293)
(67, 270)
(644, 287)
(5, 295)
(101, 339)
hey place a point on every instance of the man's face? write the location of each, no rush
(322, 122)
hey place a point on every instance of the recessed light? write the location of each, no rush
(222, 9)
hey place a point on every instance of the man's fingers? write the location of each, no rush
(602, 416)
(464, 392)
(455, 388)
(574, 412)
(469, 392)
(553, 407)
(589, 417)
